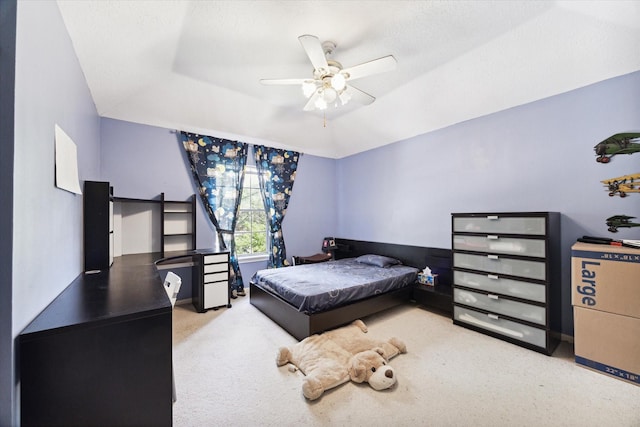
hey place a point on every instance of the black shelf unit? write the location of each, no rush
(98, 225)
(172, 212)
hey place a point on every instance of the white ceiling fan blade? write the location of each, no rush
(282, 81)
(359, 96)
(377, 66)
(311, 103)
(313, 48)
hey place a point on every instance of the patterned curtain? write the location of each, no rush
(276, 174)
(217, 166)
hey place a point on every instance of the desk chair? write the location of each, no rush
(172, 283)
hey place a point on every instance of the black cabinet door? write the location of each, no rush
(116, 374)
(97, 196)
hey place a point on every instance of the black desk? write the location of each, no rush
(100, 353)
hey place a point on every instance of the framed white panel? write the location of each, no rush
(140, 227)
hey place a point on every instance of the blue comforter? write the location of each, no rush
(313, 288)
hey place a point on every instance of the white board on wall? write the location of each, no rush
(66, 162)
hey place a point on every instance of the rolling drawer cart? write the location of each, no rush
(211, 281)
(506, 276)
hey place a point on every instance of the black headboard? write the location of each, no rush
(437, 259)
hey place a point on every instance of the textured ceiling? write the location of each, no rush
(196, 65)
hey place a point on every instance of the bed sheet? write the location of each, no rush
(313, 288)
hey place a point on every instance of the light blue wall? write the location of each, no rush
(50, 89)
(142, 161)
(536, 157)
(47, 222)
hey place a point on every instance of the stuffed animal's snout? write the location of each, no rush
(383, 378)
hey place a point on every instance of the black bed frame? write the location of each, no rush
(302, 325)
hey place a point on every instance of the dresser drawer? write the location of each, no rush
(216, 277)
(208, 259)
(215, 294)
(500, 245)
(213, 268)
(497, 224)
(501, 285)
(495, 264)
(503, 327)
(499, 305)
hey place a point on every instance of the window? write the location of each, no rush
(251, 228)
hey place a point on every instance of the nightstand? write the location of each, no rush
(439, 296)
(313, 259)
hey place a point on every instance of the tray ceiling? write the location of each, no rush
(196, 65)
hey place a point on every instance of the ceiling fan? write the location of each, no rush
(330, 84)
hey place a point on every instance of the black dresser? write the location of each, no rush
(506, 276)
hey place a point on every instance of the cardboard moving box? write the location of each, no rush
(608, 343)
(606, 278)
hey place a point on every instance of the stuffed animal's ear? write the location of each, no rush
(357, 370)
(360, 324)
(399, 344)
(380, 351)
(283, 356)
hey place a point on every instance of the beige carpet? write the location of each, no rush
(226, 375)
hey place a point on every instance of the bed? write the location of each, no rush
(301, 316)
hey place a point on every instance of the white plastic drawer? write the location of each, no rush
(500, 245)
(495, 264)
(216, 277)
(494, 283)
(213, 268)
(208, 259)
(216, 294)
(501, 326)
(497, 224)
(499, 305)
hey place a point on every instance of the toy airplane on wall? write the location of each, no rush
(620, 221)
(623, 185)
(620, 143)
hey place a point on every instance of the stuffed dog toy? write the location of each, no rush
(337, 356)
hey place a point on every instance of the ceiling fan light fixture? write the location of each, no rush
(345, 97)
(328, 86)
(338, 82)
(308, 88)
(320, 103)
(329, 94)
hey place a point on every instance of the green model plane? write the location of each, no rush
(620, 221)
(620, 143)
